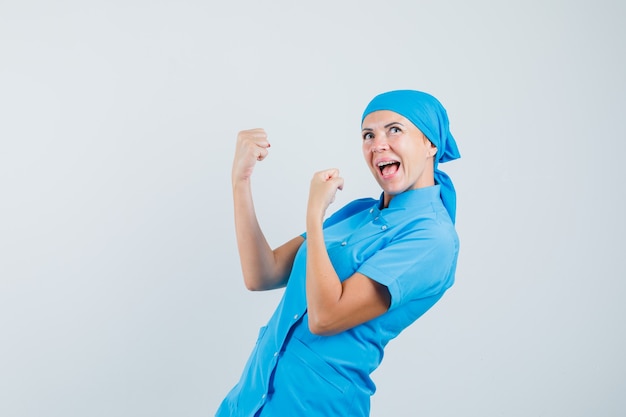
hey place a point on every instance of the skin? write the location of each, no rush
(390, 137)
(333, 306)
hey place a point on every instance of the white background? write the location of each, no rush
(120, 288)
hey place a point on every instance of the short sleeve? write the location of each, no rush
(346, 211)
(415, 265)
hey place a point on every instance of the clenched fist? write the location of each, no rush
(252, 146)
(324, 186)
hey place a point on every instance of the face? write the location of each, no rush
(397, 152)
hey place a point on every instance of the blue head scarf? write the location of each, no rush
(429, 116)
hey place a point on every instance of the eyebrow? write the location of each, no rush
(369, 129)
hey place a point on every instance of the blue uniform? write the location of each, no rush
(411, 247)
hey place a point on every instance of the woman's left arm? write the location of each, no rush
(334, 306)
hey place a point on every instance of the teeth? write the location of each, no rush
(382, 164)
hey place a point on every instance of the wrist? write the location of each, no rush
(314, 223)
(240, 183)
(314, 216)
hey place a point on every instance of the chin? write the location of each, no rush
(393, 190)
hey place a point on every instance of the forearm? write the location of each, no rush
(323, 287)
(334, 305)
(259, 265)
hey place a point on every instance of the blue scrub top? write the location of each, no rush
(411, 247)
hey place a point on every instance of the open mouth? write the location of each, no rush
(388, 168)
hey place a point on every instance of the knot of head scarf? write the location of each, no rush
(429, 116)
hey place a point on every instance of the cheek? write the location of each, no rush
(366, 151)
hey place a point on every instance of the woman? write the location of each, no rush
(356, 280)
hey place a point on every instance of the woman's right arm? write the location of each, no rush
(262, 267)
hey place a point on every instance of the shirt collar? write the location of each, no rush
(419, 197)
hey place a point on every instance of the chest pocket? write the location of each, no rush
(348, 251)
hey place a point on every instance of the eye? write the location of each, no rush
(395, 129)
(368, 135)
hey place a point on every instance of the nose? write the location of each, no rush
(380, 144)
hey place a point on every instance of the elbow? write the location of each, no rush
(252, 281)
(258, 283)
(320, 327)
(253, 285)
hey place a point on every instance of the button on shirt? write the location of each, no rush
(411, 247)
